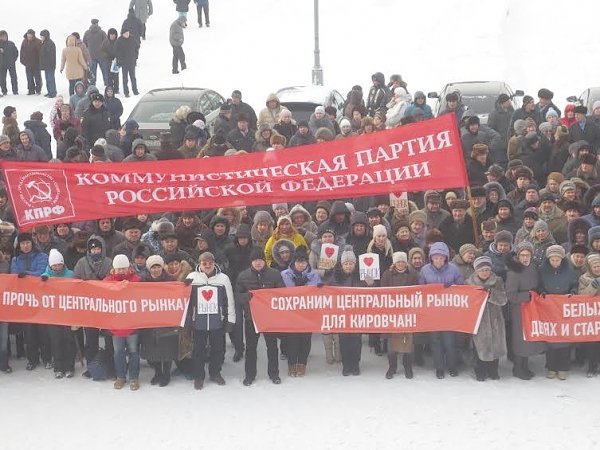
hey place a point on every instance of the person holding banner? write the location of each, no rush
(29, 260)
(443, 343)
(212, 313)
(399, 343)
(490, 340)
(589, 284)
(257, 276)
(298, 344)
(557, 276)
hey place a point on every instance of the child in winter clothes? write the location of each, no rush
(125, 340)
(61, 337)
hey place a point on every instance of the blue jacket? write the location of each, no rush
(428, 113)
(292, 278)
(447, 275)
(32, 263)
(66, 273)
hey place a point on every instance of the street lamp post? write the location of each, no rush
(317, 71)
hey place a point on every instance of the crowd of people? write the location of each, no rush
(530, 223)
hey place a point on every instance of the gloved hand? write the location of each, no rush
(229, 327)
(320, 285)
(370, 281)
(596, 283)
(187, 281)
(44, 277)
(22, 275)
(543, 294)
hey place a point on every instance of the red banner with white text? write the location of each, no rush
(96, 304)
(327, 309)
(561, 318)
(415, 157)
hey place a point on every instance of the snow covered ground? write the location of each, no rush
(258, 47)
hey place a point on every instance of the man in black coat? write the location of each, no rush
(241, 138)
(95, 121)
(134, 26)
(8, 59)
(499, 118)
(126, 53)
(257, 276)
(239, 107)
(30, 58)
(48, 62)
(529, 109)
(583, 129)
(458, 229)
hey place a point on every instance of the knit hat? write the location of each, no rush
(279, 205)
(283, 218)
(379, 230)
(593, 234)
(131, 125)
(524, 245)
(592, 258)
(263, 216)
(345, 123)
(243, 231)
(55, 257)
(325, 205)
(555, 250)
(519, 126)
(257, 253)
(206, 256)
(4, 139)
(527, 99)
(503, 98)
(465, 248)
(596, 105)
(417, 216)
(399, 257)
(154, 260)
(482, 262)
(523, 172)
(348, 255)
(551, 112)
(503, 236)
(532, 213)
(326, 230)
(320, 109)
(374, 211)
(545, 126)
(565, 186)
(120, 262)
(9, 110)
(547, 197)
(539, 225)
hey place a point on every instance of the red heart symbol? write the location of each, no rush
(368, 261)
(329, 252)
(207, 295)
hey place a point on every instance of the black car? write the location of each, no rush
(479, 96)
(155, 109)
(587, 98)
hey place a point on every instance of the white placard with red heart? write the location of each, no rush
(208, 301)
(368, 266)
(399, 201)
(328, 257)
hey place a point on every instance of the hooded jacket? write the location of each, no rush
(33, 263)
(447, 275)
(31, 152)
(134, 158)
(72, 60)
(214, 311)
(47, 52)
(41, 135)
(88, 268)
(267, 115)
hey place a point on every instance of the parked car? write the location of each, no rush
(587, 98)
(302, 100)
(478, 96)
(155, 109)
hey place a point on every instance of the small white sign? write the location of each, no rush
(208, 300)
(400, 202)
(368, 266)
(328, 257)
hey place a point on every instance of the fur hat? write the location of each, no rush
(325, 205)
(495, 170)
(524, 245)
(283, 218)
(55, 257)
(9, 110)
(545, 126)
(154, 260)
(580, 109)
(132, 224)
(561, 131)
(379, 230)
(417, 216)
(324, 134)
(275, 206)
(459, 204)
(547, 197)
(519, 126)
(566, 206)
(532, 213)
(348, 255)
(300, 254)
(482, 262)
(565, 186)
(478, 191)
(545, 94)
(479, 149)
(120, 262)
(556, 176)
(579, 249)
(589, 159)
(539, 225)
(513, 163)
(503, 236)
(399, 257)
(592, 258)
(489, 225)
(555, 250)
(243, 231)
(465, 248)
(523, 172)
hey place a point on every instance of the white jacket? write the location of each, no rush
(218, 279)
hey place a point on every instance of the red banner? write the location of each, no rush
(368, 310)
(561, 318)
(97, 304)
(415, 157)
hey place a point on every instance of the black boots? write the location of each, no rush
(162, 373)
(393, 368)
(521, 369)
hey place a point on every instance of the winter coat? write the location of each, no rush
(89, 269)
(488, 136)
(182, 5)
(295, 237)
(578, 223)
(428, 113)
(341, 228)
(126, 51)
(400, 342)
(270, 116)
(539, 249)
(41, 135)
(499, 120)
(159, 344)
(378, 97)
(299, 139)
(111, 239)
(115, 110)
(9, 55)
(30, 53)
(206, 318)
(142, 8)
(131, 277)
(112, 149)
(447, 275)
(241, 141)
(73, 61)
(93, 39)
(476, 172)
(108, 49)
(33, 263)
(10, 128)
(324, 122)
(560, 281)
(95, 123)
(32, 152)
(490, 340)
(135, 27)
(250, 280)
(176, 37)
(589, 284)
(47, 53)
(589, 133)
(238, 258)
(292, 278)
(498, 260)
(457, 234)
(245, 108)
(466, 270)
(520, 280)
